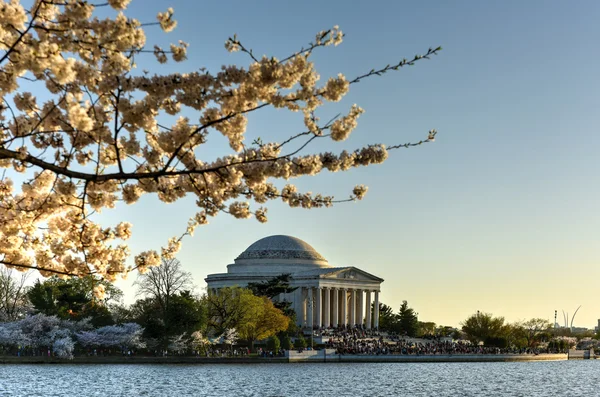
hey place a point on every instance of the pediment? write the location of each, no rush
(352, 273)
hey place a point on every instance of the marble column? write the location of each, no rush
(360, 307)
(310, 303)
(318, 308)
(298, 303)
(344, 306)
(335, 304)
(368, 308)
(326, 307)
(352, 307)
(376, 311)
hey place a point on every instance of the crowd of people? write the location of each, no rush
(360, 341)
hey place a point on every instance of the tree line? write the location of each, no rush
(481, 329)
(64, 314)
(167, 316)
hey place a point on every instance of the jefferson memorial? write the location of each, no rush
(326, 296)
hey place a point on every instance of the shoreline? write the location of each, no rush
(294, 358)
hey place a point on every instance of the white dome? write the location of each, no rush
(281, 247)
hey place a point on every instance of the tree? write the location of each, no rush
(254, 317)
(408, 320)
(444, 330)
(388, 320)
(125, 336)
(43, 332)
(534, 329)
(170, 308)
(264, 321)
(300, 342)
(74, 298)
(163, 282)
(13, 294)
(286, 342)
(482, 326)
(426, 328)
(227, 309)
(273, 288)
(186, 314)
(273, 344)
(98, 137)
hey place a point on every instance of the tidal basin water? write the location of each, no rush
(559, 378)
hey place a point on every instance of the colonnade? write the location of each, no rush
(336, 307)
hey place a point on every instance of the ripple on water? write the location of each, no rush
(533, 379)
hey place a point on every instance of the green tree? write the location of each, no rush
(170, 308)
(300, 342)
(426, 328)
(273, 344)
(534, 329)
(444, 330)
(254, 317)
(388, 320)
(74, 299)
(286, 342)
(186, 314)
(483, 326)
(408, 320)
(265, 320)
(272, 288)
(227, 309)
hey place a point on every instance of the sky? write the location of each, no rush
(498, 215)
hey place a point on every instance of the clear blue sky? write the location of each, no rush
(499, 214)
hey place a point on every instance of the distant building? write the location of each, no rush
(579, 330)
(326, 296)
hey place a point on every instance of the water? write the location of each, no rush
(559, 378)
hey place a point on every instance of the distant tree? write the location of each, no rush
(286, 342)
(388, 320)
(228, 308)
(456, 334)
(199, 342)
(264, 320)
(74, 298)
(514, 334)
(13, 294)
(300, 342)
(483, 326)
(272, 288)
(229, 337)
(426, 328)
(163, 282)
(121, 313)
(125, 336)
(408, 320)
(169, 308)
(41, 332)
(273, 343)
(534, 329)
(444, 330)
(254, 317)
(186, 315)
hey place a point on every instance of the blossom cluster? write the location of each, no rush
(95, 139)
